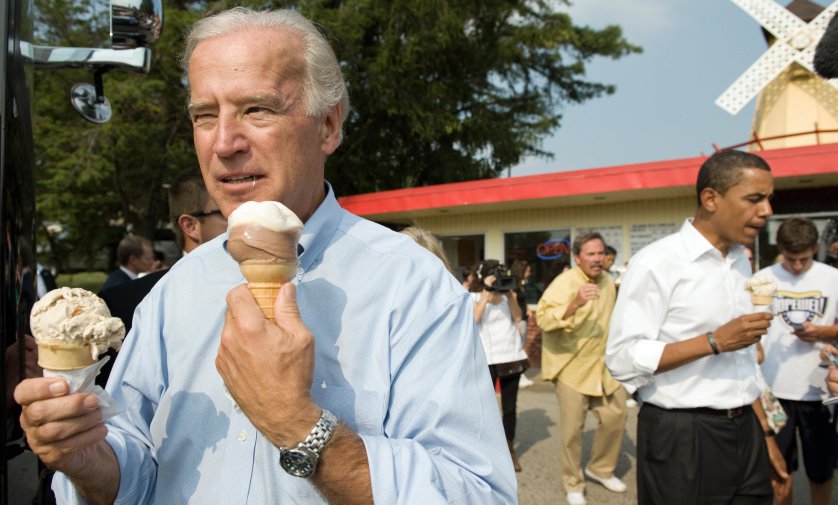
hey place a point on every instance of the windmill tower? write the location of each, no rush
(794, 105)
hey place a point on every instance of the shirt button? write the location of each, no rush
(242, 436)
(300, 271)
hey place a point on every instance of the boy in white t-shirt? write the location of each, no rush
(805, 305)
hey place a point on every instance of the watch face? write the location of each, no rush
(299, 462)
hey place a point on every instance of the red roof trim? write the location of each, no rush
(788, 162)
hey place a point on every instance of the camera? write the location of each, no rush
(503, 281)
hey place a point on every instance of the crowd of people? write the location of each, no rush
(378, 381)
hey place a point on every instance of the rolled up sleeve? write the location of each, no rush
(634, 348)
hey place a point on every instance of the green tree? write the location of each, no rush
(447, 91)
(441, 91)
(97, 181)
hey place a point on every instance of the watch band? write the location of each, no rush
(322, 432)
(712, 341)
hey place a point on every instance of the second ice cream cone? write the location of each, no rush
(57, 356)
(761, 299)
(265, 279)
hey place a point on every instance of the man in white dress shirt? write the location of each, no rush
(682, 335)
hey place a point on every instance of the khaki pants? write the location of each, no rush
(611, 413)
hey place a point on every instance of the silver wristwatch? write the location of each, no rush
(301, 461)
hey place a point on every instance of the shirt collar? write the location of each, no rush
(697, 244)
(129, 273)
(319, 229)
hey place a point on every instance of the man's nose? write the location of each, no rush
(229, 137)
(765, 210)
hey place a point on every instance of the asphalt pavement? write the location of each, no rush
(537, 445)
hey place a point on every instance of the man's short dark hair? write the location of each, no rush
(187, 194)
(131, 245)
(581, 240)
(610, 251)
(796, 235)
(724, 170)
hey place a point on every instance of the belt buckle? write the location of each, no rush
(734, 412)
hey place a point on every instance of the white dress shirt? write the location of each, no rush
(675, 289)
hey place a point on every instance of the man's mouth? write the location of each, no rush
(236, 180)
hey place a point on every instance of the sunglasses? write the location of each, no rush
(205, 213)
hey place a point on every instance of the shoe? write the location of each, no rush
(631, 403)
(524, 382)
(612, 483)
(576, 498)
(515, 463)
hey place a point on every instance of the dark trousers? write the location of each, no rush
(508, 400)
(690, 458)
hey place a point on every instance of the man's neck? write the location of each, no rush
(132, 274)
(708, 231)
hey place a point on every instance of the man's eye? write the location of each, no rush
(202, 118)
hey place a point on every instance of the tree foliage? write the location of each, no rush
(441, 91)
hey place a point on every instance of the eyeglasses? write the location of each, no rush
(205, 213)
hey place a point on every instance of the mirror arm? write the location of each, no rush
(46, 57)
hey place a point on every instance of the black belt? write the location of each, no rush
(728, 413)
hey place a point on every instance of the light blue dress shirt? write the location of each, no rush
(398, 361)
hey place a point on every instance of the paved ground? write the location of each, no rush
(537, 448)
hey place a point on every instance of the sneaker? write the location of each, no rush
(524, 382)
(576, 498)
(631, 403)
(612, 483)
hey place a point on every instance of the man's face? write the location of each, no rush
(741, 212)
(144, 263)
(252, 136)
(212, 225)
(591, 257)
(608, 262)
(797, 263)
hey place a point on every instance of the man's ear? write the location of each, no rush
(190, 226)
(330, 134)
(709, 197)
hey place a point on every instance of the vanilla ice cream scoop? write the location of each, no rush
(76, 324)
(263, 237)
(761, 289)
(263, 231)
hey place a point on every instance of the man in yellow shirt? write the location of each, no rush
(574, 314)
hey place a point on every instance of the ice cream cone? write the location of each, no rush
(265, 279)
(59, 356)
(761, 299)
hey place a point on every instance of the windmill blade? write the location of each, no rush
(763, 71)
(775, 18)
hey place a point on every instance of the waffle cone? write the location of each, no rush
(761, 299)
(265, 280)
(59, 356)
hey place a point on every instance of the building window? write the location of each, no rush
(546, 252)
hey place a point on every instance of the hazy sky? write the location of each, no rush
(664, 104)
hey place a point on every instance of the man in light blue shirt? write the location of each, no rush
(373, 329)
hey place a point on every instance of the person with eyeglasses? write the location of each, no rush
(195, 216)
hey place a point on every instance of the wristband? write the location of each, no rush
(712, 342)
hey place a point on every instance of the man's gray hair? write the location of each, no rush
(323, 83)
